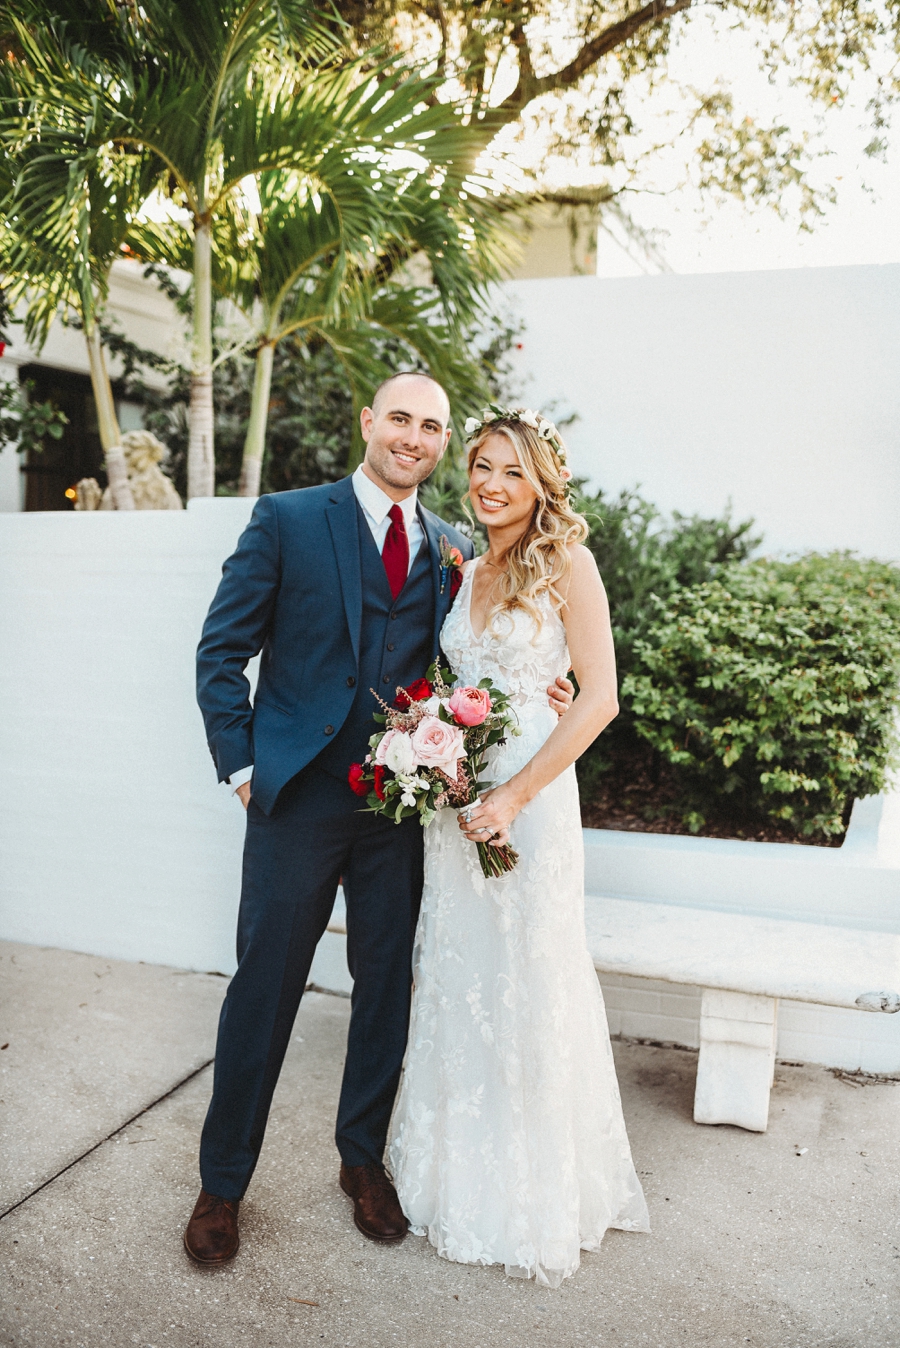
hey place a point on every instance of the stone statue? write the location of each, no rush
(151, 489)
(88, 494)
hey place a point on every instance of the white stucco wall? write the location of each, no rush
(115, 838)
(778, 390)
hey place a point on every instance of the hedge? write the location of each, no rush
(776, 684)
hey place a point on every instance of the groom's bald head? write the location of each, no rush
(406, 431)
(393, 385)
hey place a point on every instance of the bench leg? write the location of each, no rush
(737, 1059)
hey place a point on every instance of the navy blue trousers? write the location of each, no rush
(293, 860)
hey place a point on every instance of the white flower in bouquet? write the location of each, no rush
(411, 786)
(396, 753)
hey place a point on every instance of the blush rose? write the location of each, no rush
(438, 745)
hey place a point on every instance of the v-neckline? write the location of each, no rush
(471, 575)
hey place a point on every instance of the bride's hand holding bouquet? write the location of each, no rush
(431, 754)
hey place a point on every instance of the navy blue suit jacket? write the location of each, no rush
(293, 591)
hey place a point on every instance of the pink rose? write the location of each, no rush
(470, 706)
(438, 745)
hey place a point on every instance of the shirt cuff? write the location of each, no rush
(239, 778)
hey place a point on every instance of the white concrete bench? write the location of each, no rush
(722, 915)
(743, 964)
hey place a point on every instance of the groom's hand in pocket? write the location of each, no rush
(561, 695)
(243, 794)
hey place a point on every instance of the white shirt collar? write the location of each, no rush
(376, 503)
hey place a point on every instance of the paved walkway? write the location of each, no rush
(786, 1240)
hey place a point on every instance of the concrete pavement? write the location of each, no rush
(91, 1042)
(789, 1239)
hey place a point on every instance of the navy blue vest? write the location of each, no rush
(395, 643)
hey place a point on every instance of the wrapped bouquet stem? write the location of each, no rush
(495, 859)
(430, 753)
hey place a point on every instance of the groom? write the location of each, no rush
(342, 590)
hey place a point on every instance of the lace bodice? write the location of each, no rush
(521, 658)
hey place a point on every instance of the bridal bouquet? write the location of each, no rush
(431, 753)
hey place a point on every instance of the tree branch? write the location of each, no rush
(531, 86)
(525, 88)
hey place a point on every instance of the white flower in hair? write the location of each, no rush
(488, 415)
(472, 425)
(548, 431)
(529, 418)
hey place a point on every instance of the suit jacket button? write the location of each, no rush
(390, 645)
(393, 615)
(351, 682)
(329, 730)
(386, 679)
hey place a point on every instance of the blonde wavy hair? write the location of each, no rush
(539, 561)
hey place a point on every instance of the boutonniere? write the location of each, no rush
(451, 561)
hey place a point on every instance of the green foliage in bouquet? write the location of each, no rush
(776, 684)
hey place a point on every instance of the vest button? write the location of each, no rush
(386, 679)
(329, 730)
(351, 682)
(390, 645)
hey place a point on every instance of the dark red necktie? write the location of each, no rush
(395, 553)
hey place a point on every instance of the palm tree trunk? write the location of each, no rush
(110, 438)
(255, 443)
(201, 452)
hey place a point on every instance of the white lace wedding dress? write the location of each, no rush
(508, 1144)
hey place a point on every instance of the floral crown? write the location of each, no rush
(536, 420)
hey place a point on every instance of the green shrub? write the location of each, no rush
(775, 684)
(640, 554)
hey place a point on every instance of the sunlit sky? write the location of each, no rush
(697, 235)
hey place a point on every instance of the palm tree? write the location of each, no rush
(322, 258)
(59, 259)
(218, 91)
(174, 78)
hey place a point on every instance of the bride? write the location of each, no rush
(508, 1144)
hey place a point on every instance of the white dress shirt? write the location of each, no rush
(375, 506)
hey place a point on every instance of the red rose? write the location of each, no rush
(355, 778)
(455, 582)
(379, 781)
(418, 691)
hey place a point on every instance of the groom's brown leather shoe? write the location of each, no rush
(211, 1236)
(376, 1207)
